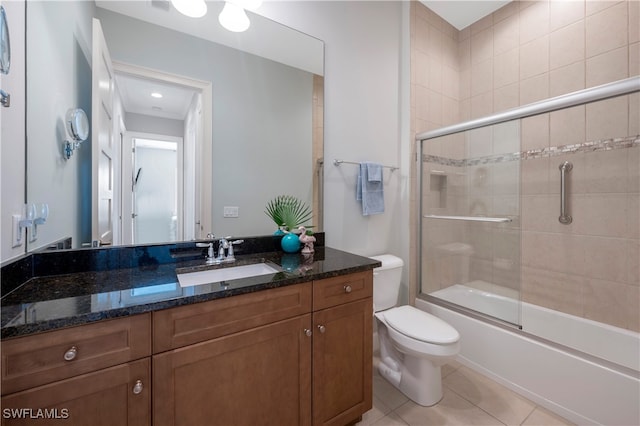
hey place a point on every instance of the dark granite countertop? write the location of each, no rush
(44, 303)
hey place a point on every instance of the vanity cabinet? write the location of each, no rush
(342, 348)
(292, 355)
(295, 355)
(92, 374)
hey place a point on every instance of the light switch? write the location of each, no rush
(16, 231)
(230, 211)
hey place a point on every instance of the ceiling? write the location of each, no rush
(462, 13)
(136, 97)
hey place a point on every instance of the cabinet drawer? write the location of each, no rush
(35, 360)
(342, 289)
(185, 325)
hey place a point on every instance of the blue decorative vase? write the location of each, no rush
(290, 243)
(279, 231)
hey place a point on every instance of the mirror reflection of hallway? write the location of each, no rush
(167, 109)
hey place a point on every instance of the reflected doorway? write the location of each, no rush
(162, 122)
(156, 190)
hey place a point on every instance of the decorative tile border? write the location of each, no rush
(592, 146)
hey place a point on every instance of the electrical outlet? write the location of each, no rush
(230, 211)
(16, 231)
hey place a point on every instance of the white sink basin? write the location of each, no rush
(225, 274)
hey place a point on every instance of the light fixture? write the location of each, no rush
(156, 95)
(77, 126)
(190, 8)
(234, 18)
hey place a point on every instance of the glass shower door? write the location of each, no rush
(470, 224)
(155, 191)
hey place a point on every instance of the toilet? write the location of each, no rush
(413, 344)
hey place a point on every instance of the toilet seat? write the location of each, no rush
(420, 325)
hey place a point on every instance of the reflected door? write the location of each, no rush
(157, 215)
(103, 146)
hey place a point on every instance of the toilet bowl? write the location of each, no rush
(413, 344)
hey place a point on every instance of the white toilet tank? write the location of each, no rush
(386, 281)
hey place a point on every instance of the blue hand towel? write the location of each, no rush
(369, 189)
(374, 172)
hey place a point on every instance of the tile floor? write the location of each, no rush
(469, 399)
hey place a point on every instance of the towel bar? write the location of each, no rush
(337, 162)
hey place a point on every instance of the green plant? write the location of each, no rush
(288, 211)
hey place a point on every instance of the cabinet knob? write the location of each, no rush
(321, 328)
(71, 353)
(137, 388)
(347, 288)
(308, 332)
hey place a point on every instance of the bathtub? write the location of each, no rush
(593, 377)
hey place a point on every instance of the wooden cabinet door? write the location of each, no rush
(260, 376)
(105, 397)
(342, 357)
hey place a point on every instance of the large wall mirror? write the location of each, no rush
(193, 129)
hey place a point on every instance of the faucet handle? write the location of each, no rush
(231, 256)
(210, 253)
(210, 236)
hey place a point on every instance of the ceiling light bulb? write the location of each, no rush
(190, 8)
(156, 95)
(234, 18)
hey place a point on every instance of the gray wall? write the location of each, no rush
(58, 78)
(367, 114)
(12, 147)
(366, 111)
(148, 124)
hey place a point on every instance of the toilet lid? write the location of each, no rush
(420, 325)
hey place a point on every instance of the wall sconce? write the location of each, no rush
(32, 216)
(41, 216)
(77, 126)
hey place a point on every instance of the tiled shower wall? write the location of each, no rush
(435, 103)
(529, 51)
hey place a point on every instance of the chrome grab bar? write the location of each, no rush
(564, 218)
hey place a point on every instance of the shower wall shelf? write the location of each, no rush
(471, 218)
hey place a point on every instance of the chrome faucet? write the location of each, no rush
(223, 244)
